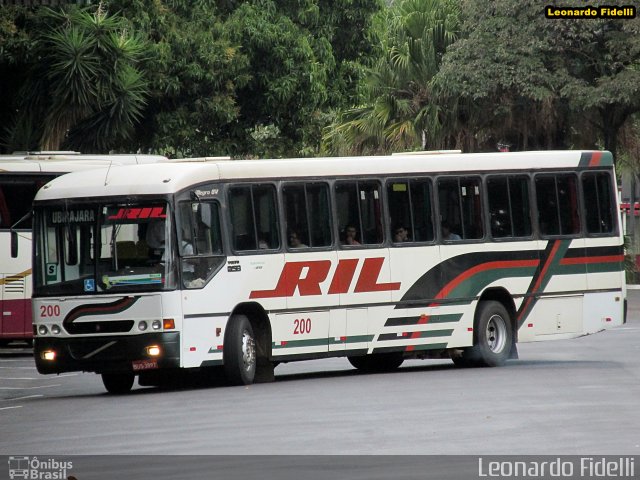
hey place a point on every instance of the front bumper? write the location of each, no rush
(108, 354)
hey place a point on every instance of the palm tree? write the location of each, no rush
(400, 109)
(86, 91)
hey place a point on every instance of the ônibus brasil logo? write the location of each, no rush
(33, 468)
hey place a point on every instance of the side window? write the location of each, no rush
(460, 208)
(199, 242)
(308, 215)
(600, 203)
(254, 224)
(16, 196)
(410, 210)
(200, 228)
(359, 213)
(557, 200)
(509, 206)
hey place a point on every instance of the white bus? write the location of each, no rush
(21, 175)
(142, 271)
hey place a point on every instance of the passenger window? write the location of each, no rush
(460, 208)
(600, 202)
(509, 206)
(308, 215)
(359, 213)
(16, 196)
(410, 210)
(254, 219)
(557, 201)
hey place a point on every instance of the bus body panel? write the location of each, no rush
(420, 300)
(15, 273)
(15, 290)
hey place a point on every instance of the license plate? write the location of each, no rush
(144, 365)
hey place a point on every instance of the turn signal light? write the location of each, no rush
(168, 324)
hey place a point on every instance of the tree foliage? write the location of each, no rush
(399, 111)
(82, 88)
(194, 70)
(252, 78)
(540, 83)
(301, 55)
(266, 77)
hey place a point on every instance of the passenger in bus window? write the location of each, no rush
(351, 235)
(295, 241)
(400, 235)
(447, 234)
(155, 240)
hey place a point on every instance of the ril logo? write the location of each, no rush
(317, 272)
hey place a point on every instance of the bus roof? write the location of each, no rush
(60, 162)
(176, 176)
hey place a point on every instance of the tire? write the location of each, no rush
(377, 362)
(118, 383)
(492, 337)
(463, 361)
(239, 354)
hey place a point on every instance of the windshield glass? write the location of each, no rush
(103, 248)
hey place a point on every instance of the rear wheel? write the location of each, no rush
(118, 383)
(377, 362)
(240, 355)
(493, 337)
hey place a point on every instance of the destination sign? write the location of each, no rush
(73, 216)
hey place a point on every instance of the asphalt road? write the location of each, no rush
(565, 397)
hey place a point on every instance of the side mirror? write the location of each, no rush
(14, 244)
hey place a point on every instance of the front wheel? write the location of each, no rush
(118, 383)
(492, 338)
(240, 351)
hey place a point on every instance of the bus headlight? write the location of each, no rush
(156, 325)
(55, 329)
(48, 355)
(43, 330)
(142, 326)
(153, 350)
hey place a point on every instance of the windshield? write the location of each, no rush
(103, 248)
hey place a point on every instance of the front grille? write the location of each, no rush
(98, 349)
(84, 328)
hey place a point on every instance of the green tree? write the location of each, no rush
(83, 89)
(15, 48)
(400, 110)
(195, 71)
(541, 83)
(256, 78)
(289, 73)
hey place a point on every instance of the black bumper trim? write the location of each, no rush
(106, 353)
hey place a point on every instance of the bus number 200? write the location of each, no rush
(49, 311)
(301, 326)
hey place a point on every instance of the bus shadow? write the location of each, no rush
(215, 378)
